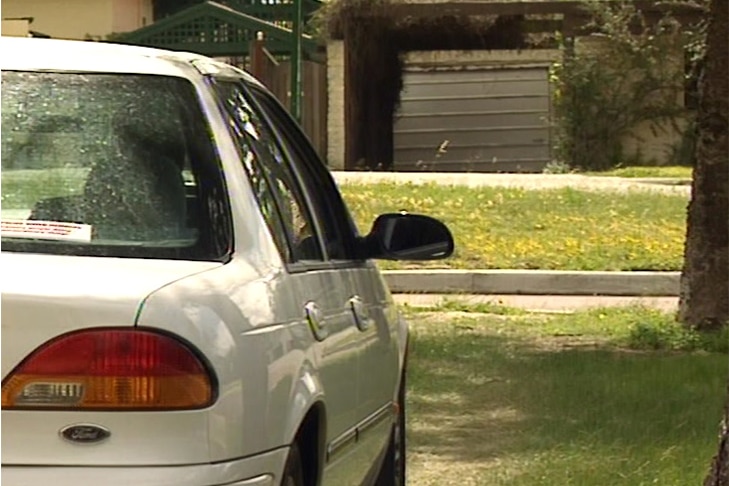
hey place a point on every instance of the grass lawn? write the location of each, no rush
(561, 229)
(676, 172)
(525, 399)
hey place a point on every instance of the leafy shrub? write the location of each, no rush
(664, 333)
(602, 93)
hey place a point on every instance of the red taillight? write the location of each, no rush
(110, 369)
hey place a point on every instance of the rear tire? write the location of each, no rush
(293, 471)
(392, 472)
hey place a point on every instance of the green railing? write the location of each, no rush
(226, 28)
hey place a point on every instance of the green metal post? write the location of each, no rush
(296, 61)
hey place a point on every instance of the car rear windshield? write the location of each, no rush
(109, 165)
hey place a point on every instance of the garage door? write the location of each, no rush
(490, 120)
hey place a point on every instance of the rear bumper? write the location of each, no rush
(261, 470)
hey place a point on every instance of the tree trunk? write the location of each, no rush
(704, 300)
(719, 473)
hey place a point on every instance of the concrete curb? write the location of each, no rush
(533, 282)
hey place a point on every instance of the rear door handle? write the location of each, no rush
(359, 310)
(316, 321)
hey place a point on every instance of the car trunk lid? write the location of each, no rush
(44, 296)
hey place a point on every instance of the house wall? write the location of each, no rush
(654, 144)
(80, 19)
(128, 15)
(15, 28)
(67, 19)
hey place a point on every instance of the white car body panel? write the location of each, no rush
(247, 317)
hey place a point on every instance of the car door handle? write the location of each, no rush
(359, 310)
(316, 321)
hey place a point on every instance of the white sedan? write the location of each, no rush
(185, 297)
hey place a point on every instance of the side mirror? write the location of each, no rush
(403, 236)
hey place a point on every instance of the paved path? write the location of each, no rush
(526, 181)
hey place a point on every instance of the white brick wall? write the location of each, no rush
(335, 111)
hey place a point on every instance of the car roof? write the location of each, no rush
(35, 54)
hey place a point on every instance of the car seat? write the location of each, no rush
(136, 192)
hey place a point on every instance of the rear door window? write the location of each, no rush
(337, 226)
(284, 204)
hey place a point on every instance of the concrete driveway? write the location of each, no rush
(526, 181)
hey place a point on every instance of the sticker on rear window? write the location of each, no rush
(48, 230)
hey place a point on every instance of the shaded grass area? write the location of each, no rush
(673, 171)
(563, 229)
(518, 400)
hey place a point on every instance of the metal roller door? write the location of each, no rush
(488, 120)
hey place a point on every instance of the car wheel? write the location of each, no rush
(293, 471)
(392, 472)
